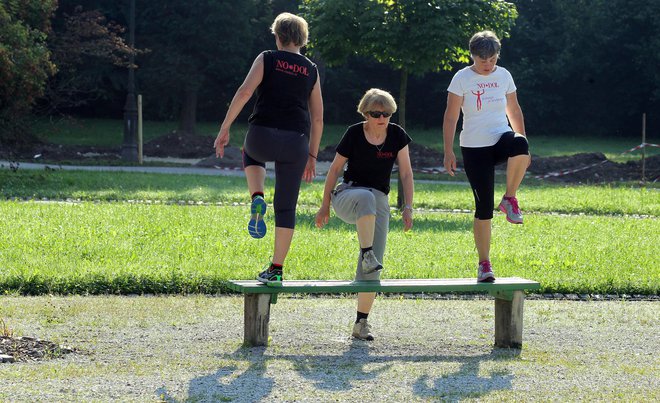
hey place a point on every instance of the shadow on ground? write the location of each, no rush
(331, 373)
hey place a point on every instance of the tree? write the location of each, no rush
(25, 63)
(193, 46)
(85, 47)
(412, 36)
(587, 66)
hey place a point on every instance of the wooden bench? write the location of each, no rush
(508, 292)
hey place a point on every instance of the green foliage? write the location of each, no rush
(587, 66)
(415, 36)
(193, 48)
(24, 61)
(85, 46)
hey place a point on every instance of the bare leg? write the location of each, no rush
(365, 229)
(365, 301)
(482, 232)
(515, 172)
(255, 176)
(283, 237)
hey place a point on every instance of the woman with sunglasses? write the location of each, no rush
(487, 96)
(285, 127)
(368, 151)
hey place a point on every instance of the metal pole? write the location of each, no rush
(129, 147)
(139, 129)
(643, 147)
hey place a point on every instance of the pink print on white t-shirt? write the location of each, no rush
(479, 94)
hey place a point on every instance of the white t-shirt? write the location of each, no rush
(484, 105)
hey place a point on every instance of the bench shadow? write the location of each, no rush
(230, 382)
(339, 373)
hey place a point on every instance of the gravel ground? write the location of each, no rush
(179, 348)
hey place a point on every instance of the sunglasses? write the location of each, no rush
(377, 114)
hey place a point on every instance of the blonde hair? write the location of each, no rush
(379, 97)
(290, 28)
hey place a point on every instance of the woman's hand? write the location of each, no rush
(450, 162)
(322, 216)
(407, 216)
(310, 170)
(220, 142)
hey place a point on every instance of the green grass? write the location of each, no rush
(123, 186)
(136, 248)
(109, 133)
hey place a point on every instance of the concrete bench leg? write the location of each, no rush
(509, 321)
(255, 320)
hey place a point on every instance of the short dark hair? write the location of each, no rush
(485, 44)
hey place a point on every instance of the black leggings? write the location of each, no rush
(479, 164)
(289, 151)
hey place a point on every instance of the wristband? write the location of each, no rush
(408, 207)
(312, 155)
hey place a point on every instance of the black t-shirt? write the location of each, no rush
(283, 95)
(369, 165)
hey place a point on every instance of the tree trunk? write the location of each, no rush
(403, 88)
(402, 122)
(188, 111)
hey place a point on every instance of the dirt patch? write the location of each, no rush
(17, 349)
(578, 168)
(179, 145)
(593, 168)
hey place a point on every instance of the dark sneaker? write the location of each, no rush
(257, 226)
(509, 206)
(362, 330)
(370, 263)
(485, 273)
(271, 277)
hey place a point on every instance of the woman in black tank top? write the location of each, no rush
(285, 127)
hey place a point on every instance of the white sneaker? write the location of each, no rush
(369, 262)
(362, 330)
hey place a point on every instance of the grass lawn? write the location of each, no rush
(124, 186)
(581, 239)
(109, 133)
(136, 248)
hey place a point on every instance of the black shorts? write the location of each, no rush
(479, 164)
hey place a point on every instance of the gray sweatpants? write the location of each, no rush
(353, 202)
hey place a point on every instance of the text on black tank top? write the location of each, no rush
(283, 95)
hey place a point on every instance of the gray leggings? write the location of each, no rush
(351, 203)
(289, 151)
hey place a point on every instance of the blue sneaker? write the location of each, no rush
(257, 226)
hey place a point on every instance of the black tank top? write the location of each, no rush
(283, 95)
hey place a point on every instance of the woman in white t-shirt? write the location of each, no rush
(486, 94)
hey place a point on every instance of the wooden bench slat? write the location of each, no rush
(390, 285)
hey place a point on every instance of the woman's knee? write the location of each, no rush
(365, 203)
(519, 146)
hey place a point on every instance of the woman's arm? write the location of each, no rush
(316, 116)
(452, 113)
(331, 177)
(406, 177)
(241, 97)
(514, 113)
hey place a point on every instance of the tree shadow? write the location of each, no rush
(334, 373)
(422, 223)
